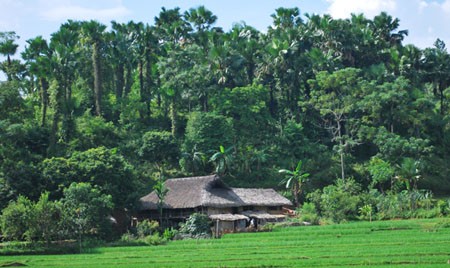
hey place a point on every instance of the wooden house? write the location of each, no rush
(228, 207)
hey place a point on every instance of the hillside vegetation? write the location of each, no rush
(96, 116)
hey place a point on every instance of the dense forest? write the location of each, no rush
(123, 106)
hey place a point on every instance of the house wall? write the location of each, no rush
(220, 227)
(213, 211)
(270, 210)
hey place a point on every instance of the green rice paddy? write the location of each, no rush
(412, 243)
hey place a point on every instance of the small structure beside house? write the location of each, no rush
(231, 209)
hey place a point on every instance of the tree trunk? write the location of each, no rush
(341, 149)
(148, 83)
(97, 79)
(295, 192)
(120, 81)
(44, 99)
(173, 117)
(141, 87)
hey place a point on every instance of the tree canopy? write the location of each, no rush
(113, 106)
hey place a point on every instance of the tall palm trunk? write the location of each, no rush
(173, 116)
(44, 99)
(96, 64)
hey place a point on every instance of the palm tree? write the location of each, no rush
(409, 173)
(63, 72)
(8, 48)
(222, 159)
(201, 20)
(294, 180)
(92, 33)
(38, 57)
(195, 159)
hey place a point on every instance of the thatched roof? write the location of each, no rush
(210, 191)
(262, 215)
(228, 217)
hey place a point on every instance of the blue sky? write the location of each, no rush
(425, 19)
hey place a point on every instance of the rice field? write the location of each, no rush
(411, 243)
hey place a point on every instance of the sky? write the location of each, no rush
(426, 20)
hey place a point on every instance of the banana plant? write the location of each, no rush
(294, 180)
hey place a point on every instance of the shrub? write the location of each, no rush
(154, 239)
(197, 225)
(169, 234)
(444, 206)
(15, 218)
(366, 212)
(308, 213)
(146, 228)
(85, 211)
(340, 202)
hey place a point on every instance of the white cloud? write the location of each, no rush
(9, 17)
(446, 6)
(370, 8)
(426, 20)
(64, 12)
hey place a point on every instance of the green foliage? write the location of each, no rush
(247, 106)
(158, 147)
(338, 202)
(107, 169)
(308, 213)
(197, 224)
(44, 222)
(33, 221)
(380, 171)
(344, 95)
(222, 159)
(146, 227)
(294, 180)
(204, 131)
(94, 131)
(154, 239)
(15, 219)
(86, 211)
(366, 212)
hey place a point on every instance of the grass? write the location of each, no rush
(406, 243)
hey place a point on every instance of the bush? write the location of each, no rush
(196, 225)
(444, 206)
(154, 240)
(146, 228)
(340, 202)
(86, 211)
(15, 218)
(169, 234)
(308, 213)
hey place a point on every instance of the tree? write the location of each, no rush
(15, 219)
(64, 63)
(161, 192)
(92, 33)
(381, 172)
(8, 48)
(409, 173)
(45, 219)
(86, 211)
(109, 170)
(158, 147)
(222, 159)
(332, 96)
(193, 161)
(38, 57)
(294, 180)
(205, 130)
